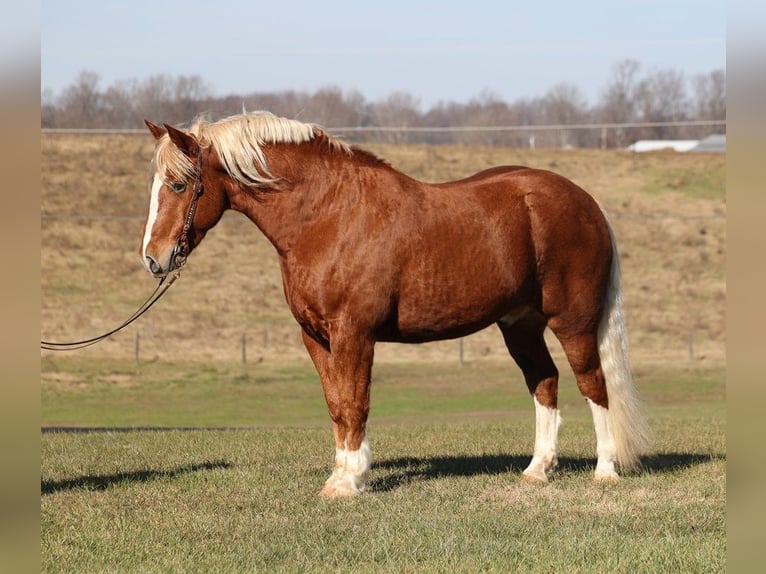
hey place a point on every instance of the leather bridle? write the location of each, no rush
(180, 253)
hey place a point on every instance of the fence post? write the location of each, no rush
(691, 343)
(460, 350)
(138, 345)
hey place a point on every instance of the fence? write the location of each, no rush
(594, 135)
(460, 351)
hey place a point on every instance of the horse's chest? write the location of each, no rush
(334, 290)
(310, 296)
(306, 310)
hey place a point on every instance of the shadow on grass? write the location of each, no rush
(103, 482)
(408, 469)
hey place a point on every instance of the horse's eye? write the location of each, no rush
(177, 186)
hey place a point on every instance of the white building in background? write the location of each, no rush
(714, 143)
(656, 145)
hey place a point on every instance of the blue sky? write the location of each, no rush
(434, 50)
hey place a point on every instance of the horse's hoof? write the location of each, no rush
(339, 489)
(533, 478)
(331, 492)
(606, 478)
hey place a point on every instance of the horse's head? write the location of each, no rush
(185, 202)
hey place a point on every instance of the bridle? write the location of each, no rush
(181, 250)
(180, 253)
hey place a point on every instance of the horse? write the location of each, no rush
(370, 254)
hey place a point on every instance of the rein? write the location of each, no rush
(158, 292)
(180, 254)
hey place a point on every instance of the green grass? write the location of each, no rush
(443, 497)
(448, 447)
(696, 182)
(86, 392)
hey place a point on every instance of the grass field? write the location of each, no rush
(449, 442)
(118, 393)
(449, 445)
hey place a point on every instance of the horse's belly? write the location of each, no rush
(461, 291)
(421, 334)
(447, 315)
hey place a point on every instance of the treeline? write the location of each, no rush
(630, 96)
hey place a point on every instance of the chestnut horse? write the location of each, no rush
(369, 254)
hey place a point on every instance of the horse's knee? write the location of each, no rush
(545, 390)
(582, 352)
(592, 386)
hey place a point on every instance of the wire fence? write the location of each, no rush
(588, 135)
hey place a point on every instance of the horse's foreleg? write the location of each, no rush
(345, 373)
(523, 335)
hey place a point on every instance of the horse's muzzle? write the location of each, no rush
(175, 260)
(154, 267)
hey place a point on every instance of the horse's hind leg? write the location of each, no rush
(582, 351)
(523, 334)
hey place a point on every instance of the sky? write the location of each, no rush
(436, 51)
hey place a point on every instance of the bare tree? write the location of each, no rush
(290, 104)
(399, 109)
(48, 108)
(188, 92)
(661, 97)
(618, 103)
(119, 104)
(329, 107)
(442, 114)
(565, 104)
(657, 97)
(80, 102)
(486, 109)
(710, 95)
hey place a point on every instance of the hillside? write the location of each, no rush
(668, 211)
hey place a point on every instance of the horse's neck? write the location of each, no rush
(305, 190)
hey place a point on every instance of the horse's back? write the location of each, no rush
(552, 202)
(500, 239)
(485, 175)
(548, 206)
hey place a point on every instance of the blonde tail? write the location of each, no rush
(625, 417)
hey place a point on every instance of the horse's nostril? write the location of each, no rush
(154, 267)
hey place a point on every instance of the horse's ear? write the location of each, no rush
(157, 131)
(187, 143)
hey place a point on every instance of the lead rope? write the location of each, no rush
(158, 292)
(182, 251)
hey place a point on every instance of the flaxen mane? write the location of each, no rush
(238, 140)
